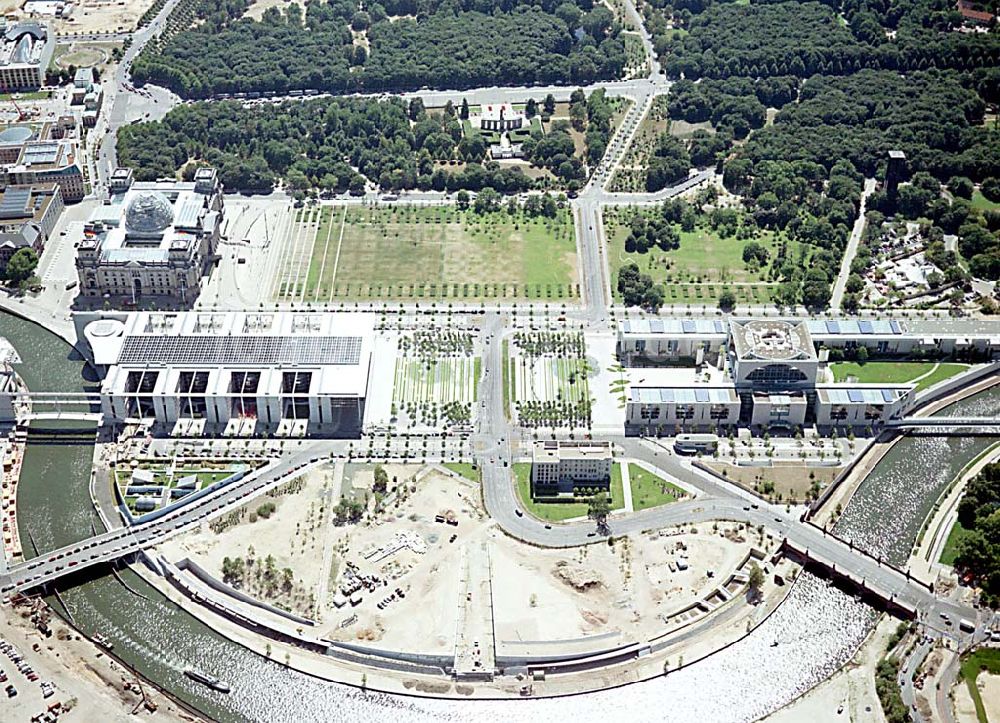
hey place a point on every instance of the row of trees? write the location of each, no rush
(979, 550)
(444, 44)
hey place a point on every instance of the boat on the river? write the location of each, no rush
(207, 680)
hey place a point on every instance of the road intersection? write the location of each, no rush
(496, 439)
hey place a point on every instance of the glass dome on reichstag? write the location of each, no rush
(148, 213)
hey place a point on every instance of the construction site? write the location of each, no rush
(402, 558)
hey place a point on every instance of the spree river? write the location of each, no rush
(815, 631)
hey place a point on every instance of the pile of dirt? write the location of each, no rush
(734, 536)
(374, 632)
(594, 618)
(577, 577)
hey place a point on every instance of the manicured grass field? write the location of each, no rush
(896, 372)
(408, 252)
(559, 511)
(950, 551)
(987, 659)
(944, 371)
(469, 471)
(650, 490)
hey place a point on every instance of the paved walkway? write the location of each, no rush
(852, 247)
(626, 487)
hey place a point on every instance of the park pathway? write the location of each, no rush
(626, 487)
(852, 247)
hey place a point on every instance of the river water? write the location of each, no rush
(817, 629)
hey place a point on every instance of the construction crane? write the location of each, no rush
(21, 115)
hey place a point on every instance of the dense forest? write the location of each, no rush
(934, 117)
(335, 144)
(931, 116)
(721, 40)
(454, 44)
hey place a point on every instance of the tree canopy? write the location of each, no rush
(333, 144)
(453, 44)
(836, 37)
(979, 551)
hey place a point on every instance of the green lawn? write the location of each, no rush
(409, 252)
(944, 371)
(43, 95)
(958, 532)
(559, 511)
(650, 490)
(702, 267)
(469, 471)
(980, 201)
(895, 372)
(987, 659)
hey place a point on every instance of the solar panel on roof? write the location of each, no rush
(701, 395)
(855, 395)
(688, 326)
(865, 327)
(833, 327)
(888, 395)
(720, 328)
(895, 327)
(656, 325)
(242, 350)
(14, 202)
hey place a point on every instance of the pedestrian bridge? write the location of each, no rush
(54, 406)
(29, 417)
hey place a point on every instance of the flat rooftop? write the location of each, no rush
(554, 451)
(862, 394)
(772, 340)
(675, 327)
(684, 395)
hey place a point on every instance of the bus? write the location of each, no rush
(694, 443)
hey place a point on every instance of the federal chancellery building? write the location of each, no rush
(707, 374)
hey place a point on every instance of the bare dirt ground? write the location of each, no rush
(791, 482)
(257, 10)
(989, 691)
(96, 16)
(85, 679)
(964, 708)
(628, 588)
(424, 620)
(293, 534)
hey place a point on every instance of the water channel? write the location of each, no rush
(814, 632)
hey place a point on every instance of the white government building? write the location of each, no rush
(766, 372)
(237, 373)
